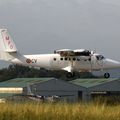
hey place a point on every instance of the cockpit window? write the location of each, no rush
(100, 57)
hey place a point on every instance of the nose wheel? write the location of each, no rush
(107, 75)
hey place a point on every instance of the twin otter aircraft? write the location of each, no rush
(80, 60)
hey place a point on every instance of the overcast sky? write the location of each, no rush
(41, 26)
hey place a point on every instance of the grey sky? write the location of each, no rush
(41, 26)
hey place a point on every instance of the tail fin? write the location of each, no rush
(8, 50)
(7, 44)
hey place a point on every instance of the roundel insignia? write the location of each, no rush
(28, 61)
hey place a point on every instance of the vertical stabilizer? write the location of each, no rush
(6, 42)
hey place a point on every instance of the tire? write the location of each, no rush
(106, 75)
(70, 75)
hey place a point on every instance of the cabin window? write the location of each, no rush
(66, 59)
(69, 59)
(74, 59)
(61, 58)
(78, 59)
(89, 59)
(54, 59)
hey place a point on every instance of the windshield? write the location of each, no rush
(100, 57)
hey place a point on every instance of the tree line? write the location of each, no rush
(18, 71)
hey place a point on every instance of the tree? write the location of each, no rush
(18, 71)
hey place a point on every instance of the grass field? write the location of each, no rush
(58, 111)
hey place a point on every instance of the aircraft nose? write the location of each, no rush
(109, 63)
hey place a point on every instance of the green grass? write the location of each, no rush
(58, 111)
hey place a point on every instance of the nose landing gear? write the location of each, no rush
(107, 75)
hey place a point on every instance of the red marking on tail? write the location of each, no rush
(9, 42)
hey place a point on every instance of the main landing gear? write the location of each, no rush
(107, 75)
(70, 75)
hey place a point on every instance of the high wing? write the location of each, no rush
(77, 52)
(64, 52)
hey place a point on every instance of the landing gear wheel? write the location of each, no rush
(106, 75)
(70, 75)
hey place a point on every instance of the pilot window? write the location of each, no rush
(100, 57)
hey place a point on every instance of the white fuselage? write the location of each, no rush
(56, 62)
